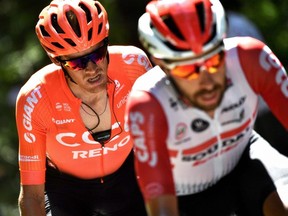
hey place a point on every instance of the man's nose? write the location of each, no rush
(91, 65)
(204, 76)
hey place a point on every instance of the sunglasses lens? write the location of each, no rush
(191, 71)
(99, 55)
(185, 71)
(76, 64)
(81, 63)
(214, 62)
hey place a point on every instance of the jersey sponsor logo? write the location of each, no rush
(118, 87)
(185, 140)
(213, 148)
(142, 153)
(31, 101)
(29, 137)
(28, 158)
(181, 129)
(62, 107)
(129, 58)
(154, 189)
(141, 60)
(173, 104)
(123, 100)
(234, 105)
(187, 189)
(117, 84)
(236, 120)
(66, 139)
(117, 125)
(268, 60)
(199, 125)
(100, 151)
(62, 121)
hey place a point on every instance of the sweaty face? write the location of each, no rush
(206, 91)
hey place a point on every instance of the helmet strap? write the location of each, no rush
(107, 56)
(67, 75)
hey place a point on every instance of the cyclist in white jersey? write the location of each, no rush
(192, 116)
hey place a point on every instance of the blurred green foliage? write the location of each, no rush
(272, 19)
(22, 55)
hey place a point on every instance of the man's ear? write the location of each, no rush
(54, 60)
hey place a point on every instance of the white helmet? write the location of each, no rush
(182, 29)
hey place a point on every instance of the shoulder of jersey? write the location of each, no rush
(125, 50)
(149, 79)
(243, 42)
(38, 77)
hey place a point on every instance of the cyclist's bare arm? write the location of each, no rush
(164, 205)
(31, 200)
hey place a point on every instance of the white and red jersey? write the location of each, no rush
(180, 149)
(49, 122)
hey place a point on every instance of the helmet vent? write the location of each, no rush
(43, 31)
(172, 26)
(100, 26)
(57, 45)
(201, 15)
(68, 40)
(88, 14)
(213, 34)
(167, 43)
(55, 24)
(99, 10)
(90, 34)
(50, 50)
(73, 21)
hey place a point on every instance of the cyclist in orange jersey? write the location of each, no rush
(75, 153)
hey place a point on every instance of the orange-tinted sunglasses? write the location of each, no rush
(191, 71)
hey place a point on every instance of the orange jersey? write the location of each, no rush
(49, 123)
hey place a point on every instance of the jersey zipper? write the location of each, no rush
(102, 162)
(217, 130)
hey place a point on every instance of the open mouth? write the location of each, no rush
(209, 98)
(95, 79)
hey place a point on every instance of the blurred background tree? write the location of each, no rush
(22, 55)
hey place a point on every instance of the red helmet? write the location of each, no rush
(181, 29)
(69, 26)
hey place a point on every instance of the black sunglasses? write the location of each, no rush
(95, 56)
